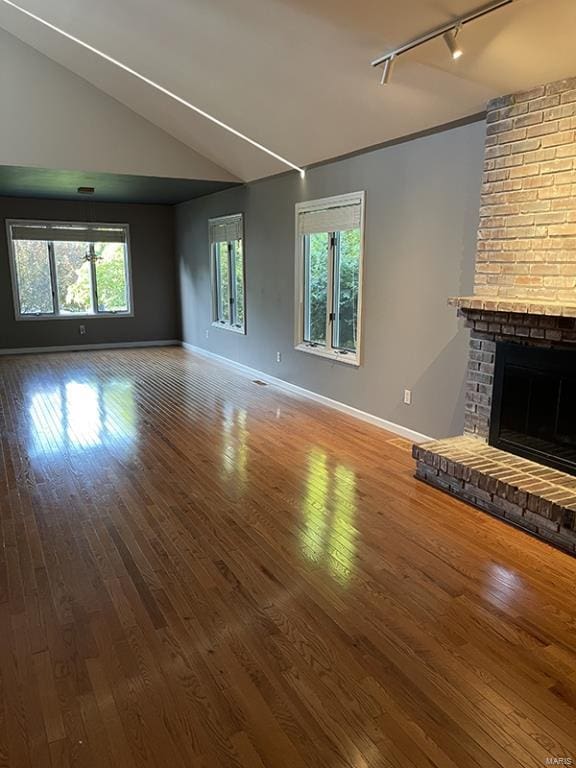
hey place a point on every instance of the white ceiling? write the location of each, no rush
(295, 74)
(53, 119)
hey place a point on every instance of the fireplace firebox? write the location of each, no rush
(534, 404)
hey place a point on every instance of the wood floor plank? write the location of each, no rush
(199, 571)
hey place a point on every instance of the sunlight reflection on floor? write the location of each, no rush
(81, 415)
(329, 508)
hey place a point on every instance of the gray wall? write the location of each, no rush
(154, 277)
(422, 208)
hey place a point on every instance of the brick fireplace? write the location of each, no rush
(524, 294)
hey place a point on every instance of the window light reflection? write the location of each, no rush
(235, 443)
(83, 422)
(82, 415)
(504, 583)
(315, 506)
(329, 508)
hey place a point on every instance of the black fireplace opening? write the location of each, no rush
(534, 404)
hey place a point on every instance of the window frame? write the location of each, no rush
(54, 315)
(300, 344)
(232, 282)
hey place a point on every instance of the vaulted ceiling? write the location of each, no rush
(295, 74)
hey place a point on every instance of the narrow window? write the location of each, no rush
(69, 269)
(317, 256)
(329, 251)
(227, 258)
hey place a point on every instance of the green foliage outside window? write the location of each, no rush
(73, 277)
(346, 279)
(317, 296)
(110, 280)
(239, 275)
(229, 276)
(346, 293)
(33, 269)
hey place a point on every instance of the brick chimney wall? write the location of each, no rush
(525, 294)
(527, 234)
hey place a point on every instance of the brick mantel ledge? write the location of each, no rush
(517, 306)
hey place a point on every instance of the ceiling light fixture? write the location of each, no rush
(158, 87)
(448, 31)
(387, 70)
(452, 43)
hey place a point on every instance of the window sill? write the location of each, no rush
(336, 357)
(225, 327)
(95, 316)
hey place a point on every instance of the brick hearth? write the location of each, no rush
(536, 498)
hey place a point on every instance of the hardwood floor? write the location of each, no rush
(197, 570)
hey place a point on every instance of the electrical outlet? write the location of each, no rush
(407, 397)
(278, 357)
(82, 330)
(207, 333)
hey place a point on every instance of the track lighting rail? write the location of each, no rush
(450, 27)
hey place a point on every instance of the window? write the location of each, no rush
(66, 270)
(329, 250)
(227, 256)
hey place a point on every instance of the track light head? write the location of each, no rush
(387, 71)
(450, 38)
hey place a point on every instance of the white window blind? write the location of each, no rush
(226, 229)
(59, 233)
(332, 219)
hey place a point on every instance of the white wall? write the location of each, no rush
(422, 211)
(53, 119)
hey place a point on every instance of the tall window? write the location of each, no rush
(329, 250)
(227, 255)
(69, 270)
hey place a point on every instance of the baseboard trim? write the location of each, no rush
(390, 426)
(90, 347)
